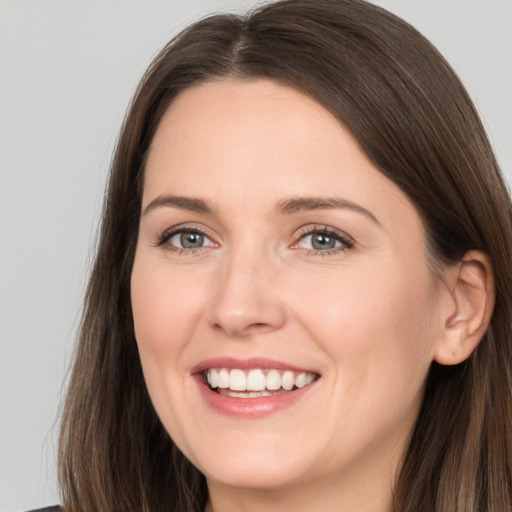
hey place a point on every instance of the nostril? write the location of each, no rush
(240, 328)
(243, 305)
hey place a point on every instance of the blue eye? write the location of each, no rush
(324, 240)
(321, 241)
(187, 239)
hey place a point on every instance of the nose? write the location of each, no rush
(247, 300)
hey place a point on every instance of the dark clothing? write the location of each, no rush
(47, 509)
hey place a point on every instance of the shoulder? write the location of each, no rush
(48, 509)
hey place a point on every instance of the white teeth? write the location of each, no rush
(223, 379)
(300, 380)
(257, 382)
(252, 394)
(288, 380)
(214, 378)
(236, 395)
(273, 380)
(237, 380)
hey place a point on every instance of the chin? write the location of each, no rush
(262, 475)
(267, 460)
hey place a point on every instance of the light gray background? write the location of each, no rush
(67, 71)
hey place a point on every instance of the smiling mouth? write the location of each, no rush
(257, 382)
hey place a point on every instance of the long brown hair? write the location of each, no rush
(412, 117)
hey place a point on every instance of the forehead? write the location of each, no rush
(247, 115)
(256, 141)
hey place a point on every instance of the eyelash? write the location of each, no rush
(167, 235)
(345, 241)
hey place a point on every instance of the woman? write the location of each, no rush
(302, 294)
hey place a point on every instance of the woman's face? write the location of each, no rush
(272, 254)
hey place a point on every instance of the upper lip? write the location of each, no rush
(246, 364)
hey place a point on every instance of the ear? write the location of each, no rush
(472, 288)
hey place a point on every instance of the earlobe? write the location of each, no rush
(472, 289)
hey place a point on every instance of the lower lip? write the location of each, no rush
(250, 407)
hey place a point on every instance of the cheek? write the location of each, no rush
(166, 311)
(165, 307)
(377, 327)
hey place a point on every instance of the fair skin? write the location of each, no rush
(234, 265)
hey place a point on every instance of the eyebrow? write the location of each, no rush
(284, 207)
(300, 204)
(189, 204)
